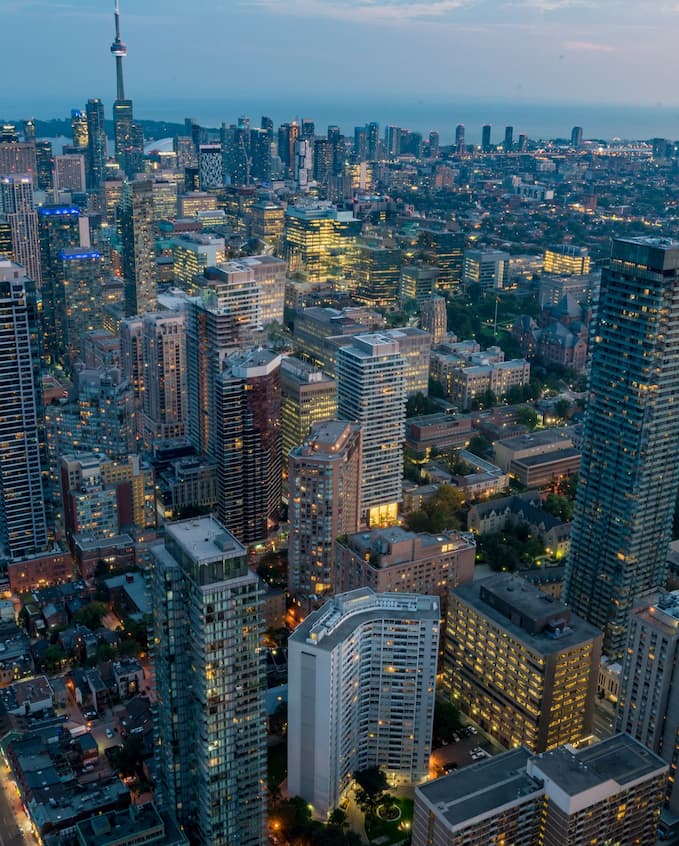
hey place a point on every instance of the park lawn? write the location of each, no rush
(377, 828)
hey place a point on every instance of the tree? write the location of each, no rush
(439, 512)
(128, 758)
(91, 615)
(559, 506)
(446, 719)
(561, 408)
(372, 783)
(420, 404)
(479, 445)
(527, 416)
(53, 657)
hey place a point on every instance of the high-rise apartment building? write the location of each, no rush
(221, 319)
(648, 703)
(567, 258)
(210, 166)
(308, 396)
(23, 525)
(18, 210)
(18, 157)
(629, 472)
(247, 409)
(361, 688)
(69, 173)
(610, 792)
(164, 362)
(520, 663)
(576, 136)
(210, 721)
(139, 247)
(324, 498)
(79, 301)
(434, 318)
(79, 131)
(486, 129)
(371, 391)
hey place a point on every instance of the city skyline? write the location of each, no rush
(582, 55)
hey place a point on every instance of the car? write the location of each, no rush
(456, 737)
(109, 733)
(473, 730)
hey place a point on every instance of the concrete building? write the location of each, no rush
(192, 252)
(418, 282)
(486, 269)
(463, 385)
(522, 665)
(209, 714)
(567, 259)
(324, 502)
(164, 396)
(394, 560)
(69, 173)
(137, 227)
(609, 792)
(361, 687)
(434, 318)
(371, 391)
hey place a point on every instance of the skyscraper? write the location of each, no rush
(324, 483)
(139, 246)
(79, 128)
(17, 209)
(129, 141)
(247, 411)
(459, 138)
(508, 144)
(96, 144)
(485, 137)
(308, 396)
(361, 687)
(210, 721)
(79, 301)
(164, 394)
(576, 136)
(434, 318)
(371, 391)
(23, 526)
(629, 473)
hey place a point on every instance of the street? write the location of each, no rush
(604, 720)
(15, 828)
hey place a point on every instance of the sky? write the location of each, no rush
(340, 51)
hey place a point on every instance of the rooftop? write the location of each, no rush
(204, 539)
(470, 794)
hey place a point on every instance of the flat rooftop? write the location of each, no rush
(619, 759)
(479, 790)
(204, 539)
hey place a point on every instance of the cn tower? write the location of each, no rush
(119, 50)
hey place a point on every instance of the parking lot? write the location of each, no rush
(472, 746)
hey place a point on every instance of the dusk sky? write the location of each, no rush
(613, 51)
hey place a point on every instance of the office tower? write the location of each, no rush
(522, 665)
(361, 687)
(308, 129)
(44, 163)
(392, 139)
(567, 258)
(267, 125)
(69, 173)
(395, 560)
(411, 143)
(434, 142)
(192, 252)
(319, 240)
(609, 792)
(79, 131)
(209, 715)
(260, 154)
(17, 209)
(29, 129)
(308, 396)
(185, 151)
(434, 318)
(9, 134)
(576, 136)
(324, 495)
(247, 409)
(459, 138)
(139, 246)
(629, 475)
(96, 144)
(79, 301)
(372, 140)
(508, 144)
(18, 157)
(378, 274)
(60, 228)
(303, 164)
(360, 144)
(210, 166)
(414, 346)
(164, 199)
(235, 152)
(164, 361)
(23, 525)
(6, 249)
(485, 270)
(444, 250)
(485, 137)
(220, 320)
(418, 282)
(371, 391)
(267, 221)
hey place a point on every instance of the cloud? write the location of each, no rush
(365, 11)
(588, 47)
